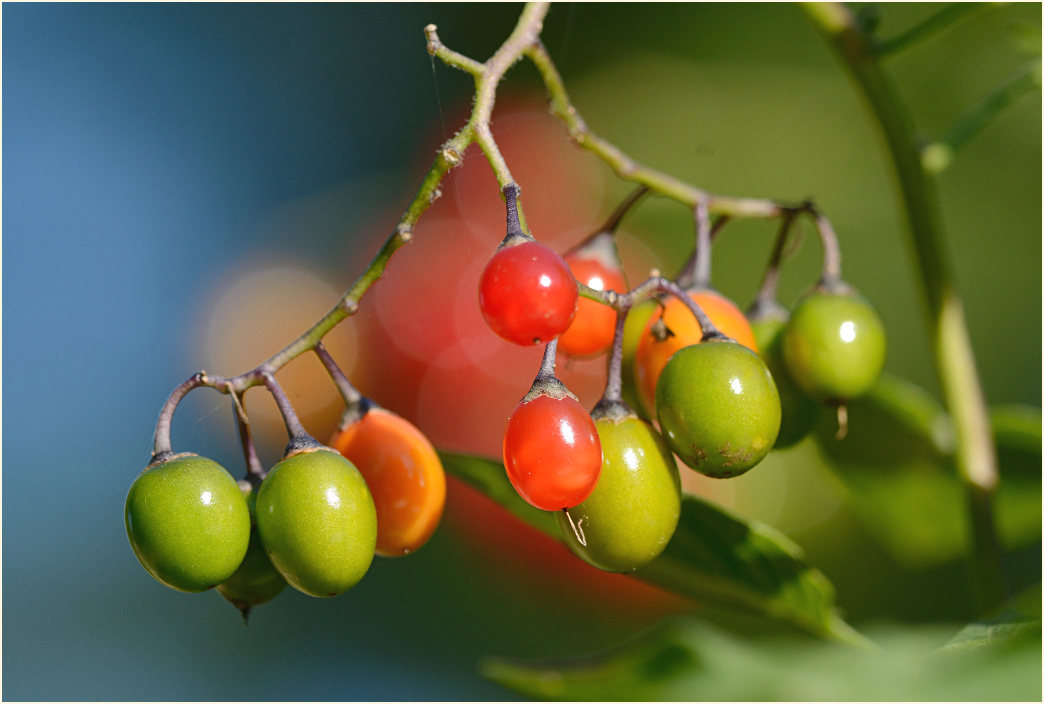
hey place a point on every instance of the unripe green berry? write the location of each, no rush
(257, 581)
(633, 511)
(187, 522)
(718, 407)
(317, 521)
(834, 345)
(798, 410)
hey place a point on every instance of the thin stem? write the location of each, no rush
(940, 21)
(546, 383)
(161, 438)
(448, 56)
(626, 167)
(767, 292)
(255, 470)
(514, 227)
(658, 284)
(547, 363)
(602, 242)
(955, 362)
(349, 393)
(621, 210)
(830, 275)
(701, 277)
(356, 406)
(614, 372)
(938, 155)
(299, 437)
(687, 275)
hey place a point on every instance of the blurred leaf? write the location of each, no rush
(727, 565)
(894, 424)
(999, 632)
(897, 461)
(1017, 433)
(683, 659)
(490, 478)
(722, 561)
(1027, 37)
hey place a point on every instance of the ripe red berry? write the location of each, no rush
(551, 451)
(527, 293)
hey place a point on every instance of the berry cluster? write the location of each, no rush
(315, 520)
(706, 384)
(723, 389)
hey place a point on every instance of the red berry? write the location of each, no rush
(527, 293)
(591, 332)
(551, 452)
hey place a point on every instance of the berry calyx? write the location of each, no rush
(187, 522)
(527, 293)
(834, 344)
(317, 521)
(718, 407)
(654, 351)
(551, 449)
(633, 511)
(404, 475)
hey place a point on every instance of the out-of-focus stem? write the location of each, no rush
(954, 360)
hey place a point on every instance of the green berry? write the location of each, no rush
(187, 522)
(631, 515)
(798, 410)
(718, 407)
(257, 581)
(834, 345)
(317, 521)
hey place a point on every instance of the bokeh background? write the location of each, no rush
(190, 186)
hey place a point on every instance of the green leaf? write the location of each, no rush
(897, 460)
(1017, 433)
(724, 562)
(684, 659)
(1026, 36)
(489, 477)
(1003, 631)
(895, 424)
(733, 569)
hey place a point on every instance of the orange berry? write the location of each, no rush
(404, 474)
(591, 332)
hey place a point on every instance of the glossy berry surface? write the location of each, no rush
(718, 407)
(652, 354)
(591, 332)
(527, 293)
(551, 452)
(187, 522)
(633, 511)
(317, 522)
(834, 346)
(404, 474)
(798, 410)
